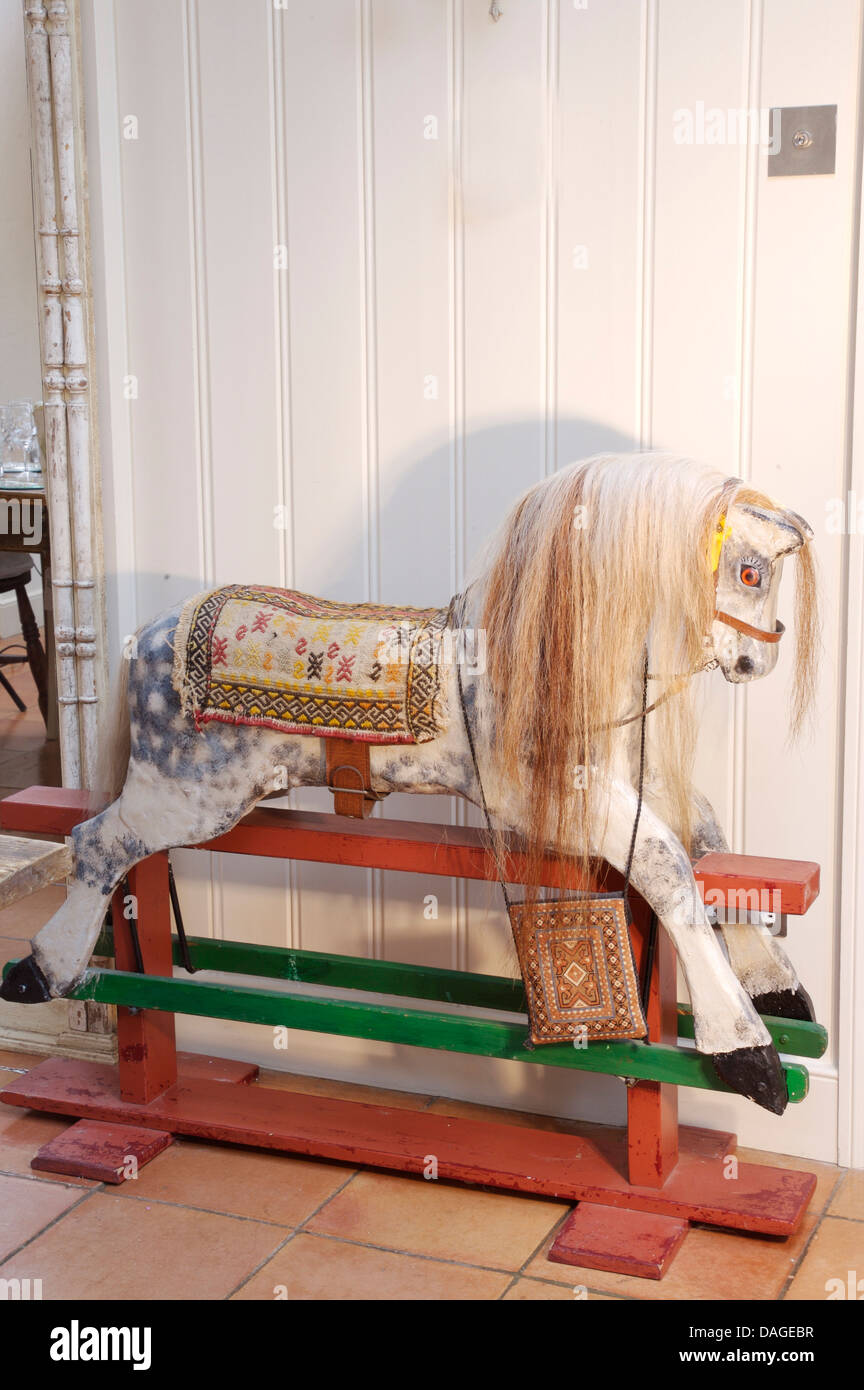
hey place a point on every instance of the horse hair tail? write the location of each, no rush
(113, 744)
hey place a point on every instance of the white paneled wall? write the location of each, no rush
(369, 268)
(20, 377)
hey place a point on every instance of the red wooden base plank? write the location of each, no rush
(107, 1152)
(195, 1066)
(570, 1167)
(619, 1240)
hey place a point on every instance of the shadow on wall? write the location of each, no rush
(417, 500)
(498, 463)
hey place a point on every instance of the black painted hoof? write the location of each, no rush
(786, 1003)
(754, 1072)
(25, 984)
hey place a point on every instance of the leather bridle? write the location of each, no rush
(760, 633)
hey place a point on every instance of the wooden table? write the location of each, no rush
(39, 544)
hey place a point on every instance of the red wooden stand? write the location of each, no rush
(637, 1188)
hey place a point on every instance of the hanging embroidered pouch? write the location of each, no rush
(575, 953)
(577, 965)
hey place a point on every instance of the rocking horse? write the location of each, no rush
(592, 564)
(610, 586)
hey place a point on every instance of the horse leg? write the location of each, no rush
(756, 957)
(727, 1026)
(766, 972)
(183, 786)
(154, 812)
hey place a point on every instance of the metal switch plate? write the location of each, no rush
(807, 140)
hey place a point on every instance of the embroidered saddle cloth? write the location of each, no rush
(247, 655)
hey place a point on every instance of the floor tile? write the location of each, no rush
(428, 1218)
(534, 1291)
(310, 1267)
(710, 1264)
(11, 948)
(23, 919)
(26, 755)
(22, 1134)
(848, 1199)
(34, 766)
(834, 1263)
(26, 1208)
(20, 1061)
(118, 1249)
(241, 1182)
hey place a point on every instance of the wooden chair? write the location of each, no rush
(15, 570)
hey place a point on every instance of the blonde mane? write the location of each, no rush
(593, 563)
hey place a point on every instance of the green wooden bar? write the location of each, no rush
(792, 1036)
(420, 1028)
(347, 972)
(499, 992)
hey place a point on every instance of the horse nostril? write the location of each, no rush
(744, 666)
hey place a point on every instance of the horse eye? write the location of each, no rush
(750, 576)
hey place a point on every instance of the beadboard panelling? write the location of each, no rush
(161, 252)
(800, 451)
(384, 263)
(502, 75)
(20, 377)
(331, 407)
(598, 125)
(233, 161)
(407, 57)
(699, 215)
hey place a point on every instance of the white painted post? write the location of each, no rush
(64, 343)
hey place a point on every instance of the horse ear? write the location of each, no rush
(804, 529)
(793, 530)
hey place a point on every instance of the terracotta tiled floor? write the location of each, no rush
(214, 1222)
(26, 756)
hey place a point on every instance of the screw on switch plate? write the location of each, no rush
(806, 141)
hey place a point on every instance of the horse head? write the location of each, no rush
(753, 542)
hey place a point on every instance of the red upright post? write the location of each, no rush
(146, 1046)
(652, 1106)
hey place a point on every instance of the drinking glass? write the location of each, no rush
(33, 476)
(5, 436)
(17, 436)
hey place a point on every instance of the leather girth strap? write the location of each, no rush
(349, 777)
